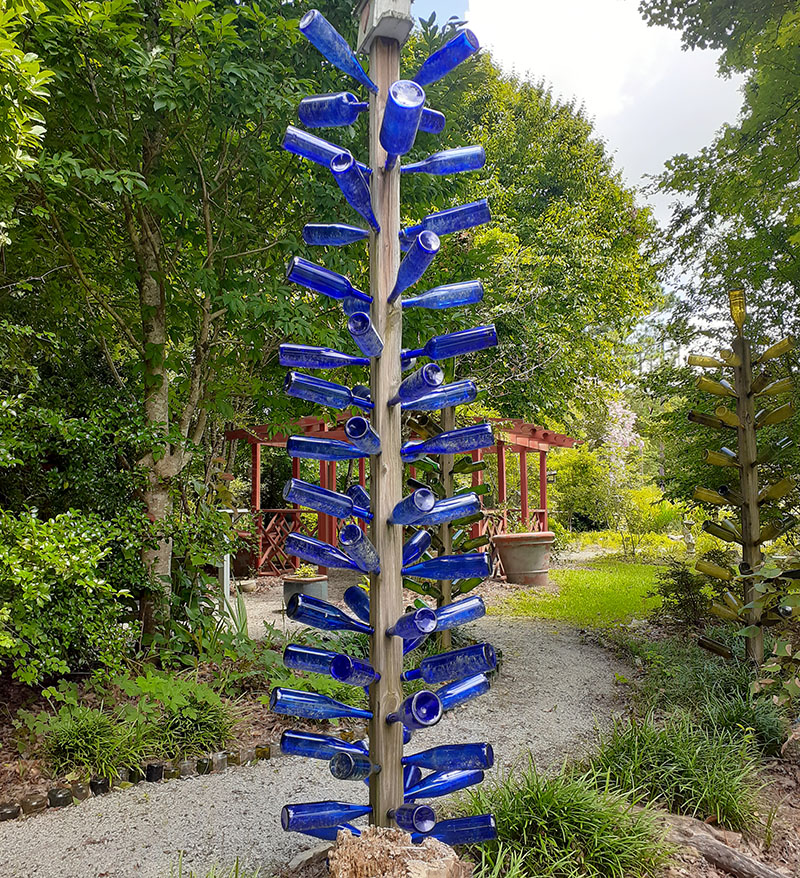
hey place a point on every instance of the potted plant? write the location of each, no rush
(306, 579)
(525, 554)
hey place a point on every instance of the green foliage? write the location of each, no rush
(24, 91)
(686, 597)
(561, 827)
(235, 871)
(579, 492)
(686, 769)
(58, 614)
(612, 593)
(741, 715)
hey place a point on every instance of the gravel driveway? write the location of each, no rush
(553, 689)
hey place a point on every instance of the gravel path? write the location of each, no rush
(553, 689)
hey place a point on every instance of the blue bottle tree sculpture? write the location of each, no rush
(371, 538)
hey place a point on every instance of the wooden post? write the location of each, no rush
(255, 496)
(748, 452)
(446, 462)
(362, 480)
(523, 486)
(543, 488)
(386, 469)
(502, 491)
(477, 479)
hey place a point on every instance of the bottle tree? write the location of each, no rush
(372, 538)
(738, 410)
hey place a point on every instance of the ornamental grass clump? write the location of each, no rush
(562, 827)
(681, 767)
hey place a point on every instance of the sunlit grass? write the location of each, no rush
(611, 592)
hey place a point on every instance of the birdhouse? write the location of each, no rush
(383, 18)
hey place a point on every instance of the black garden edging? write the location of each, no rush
(153, 772)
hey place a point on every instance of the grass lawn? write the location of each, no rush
(612, 591)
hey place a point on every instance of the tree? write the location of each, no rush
(736, 220)
(162, 189)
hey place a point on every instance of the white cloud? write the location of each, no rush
(648, 98)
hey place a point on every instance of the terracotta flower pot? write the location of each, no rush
(526, 556)
(313, 586)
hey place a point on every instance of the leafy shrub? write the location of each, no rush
(739, 715)
(189, 718)
(562, 827)
(57, 615)
(687, 769)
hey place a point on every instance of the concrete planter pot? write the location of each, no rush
(526, 556)
(314, 586)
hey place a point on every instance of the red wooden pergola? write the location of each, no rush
(273, 525)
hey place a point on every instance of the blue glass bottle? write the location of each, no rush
(455, 665)
(329, 502)
(449, 442)
(449, 161)
(432, 121)
(416, 546)
(310, 448)
(364, 334)
(412, 508)
(323, 280)
(331, 110)
(446, 59)
(416, 262)
(442, 783)
(314, 551)
(352, 766)
(320, 614)
(331, 833)
(315, 746)
(419, 384)
(356, 545)
(313, 148)
(401, 119)
(451, 509)
(350, 305)
(446, 222)
(359, 495)
(333, 46)
(357, 600)
(415, 643)
(459, 691)
(451, 567)
(461, 830)
(312, 705)
(361, 434)
(332, 234)
(413, 624)
(411, 773)
(301, 386)
(460, 612)
(419, 711)
(447, 296)
(457, 393)
(303, 356)
(453, 757)
(454, 344)
(319, 815)
(352, 671)
(354, 187)
(414, 818)
(308, 658)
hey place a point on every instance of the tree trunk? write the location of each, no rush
(154, 603)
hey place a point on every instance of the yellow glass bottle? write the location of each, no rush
(729, 358)
(704, 361)
(706, 495)
(723, 457)
(782, 385)
(697, 417)
(777, 491)
(718, 388)
(731, 495)
(738, 308)
(709, 569)
(726, 416)
(778, 349)
(723, 530)
(776, 416)
(774, 529)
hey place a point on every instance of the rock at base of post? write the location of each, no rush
(389, 853)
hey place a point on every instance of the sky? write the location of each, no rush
(649, 100)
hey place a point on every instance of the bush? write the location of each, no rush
(686, 596)
(744, 716)
(562, 827)
(57, 615)
(685, 769)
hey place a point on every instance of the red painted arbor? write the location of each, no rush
(272, 525)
